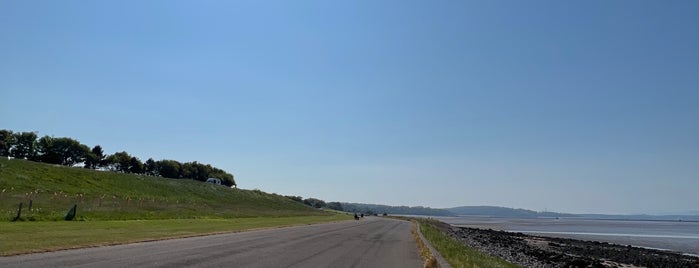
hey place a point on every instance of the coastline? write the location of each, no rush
(668, 235)
(530, 250)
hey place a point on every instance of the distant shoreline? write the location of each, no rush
(600, 234)
(671, 235)
(610, 218)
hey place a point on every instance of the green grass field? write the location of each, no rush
(456, 253)
(26, 237)
(102, 195)
(114, 208)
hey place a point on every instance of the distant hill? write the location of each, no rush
(402, 210)
(494, 211)
(100, 195)
(491, 211)
(637, 217)
(503, 212)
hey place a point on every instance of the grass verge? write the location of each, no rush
(455, 252)
(430, 260)
(28, 237)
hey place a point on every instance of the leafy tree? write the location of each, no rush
(295, 198)
(169, 168)
(61, 151)
(204, 171)
(74, 152)
(95, 158)
(25, 145)
(136, 166)
(189, 170)
(120, 161)
(226, 178)
(335, 205)
(313, 202)
(151, 167)
(6, 142)
(201, 172)
(45, 151)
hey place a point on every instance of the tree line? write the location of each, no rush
(316, 203)
(401, 210)
(371, 209)
(69, 152)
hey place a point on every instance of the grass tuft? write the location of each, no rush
(455, 252)
(430, 260)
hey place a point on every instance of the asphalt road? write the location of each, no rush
(370, 242)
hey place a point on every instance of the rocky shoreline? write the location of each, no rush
(538, 251)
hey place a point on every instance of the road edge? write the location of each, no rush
(440, 260)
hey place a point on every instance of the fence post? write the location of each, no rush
(19, 212)
(71, 214)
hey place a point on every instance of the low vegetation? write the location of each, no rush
(99, 195)
(25, 237)
(427, 256)
(455, 252)
(371, 209)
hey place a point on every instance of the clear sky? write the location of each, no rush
(571, 106)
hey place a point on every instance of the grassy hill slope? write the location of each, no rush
(102, 195)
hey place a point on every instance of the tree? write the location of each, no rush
(335, 205)
(201, 172)
(295, 198)
(136, 166)
(226, 178)
(74, 152)
(6, 142)
(204, 172)
(169, 168)
(25, 145)
(314, 202)
(189, 170)
(120, 161)
(45, 151)
(95, 158)
(61, 151)
(151, 167)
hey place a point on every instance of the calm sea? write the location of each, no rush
(668, 235)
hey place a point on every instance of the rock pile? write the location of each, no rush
(537, 251)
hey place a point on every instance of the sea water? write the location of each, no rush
(680, 236)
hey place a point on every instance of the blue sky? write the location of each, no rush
(587, 106)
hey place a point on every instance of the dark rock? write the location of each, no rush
(563, 252)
